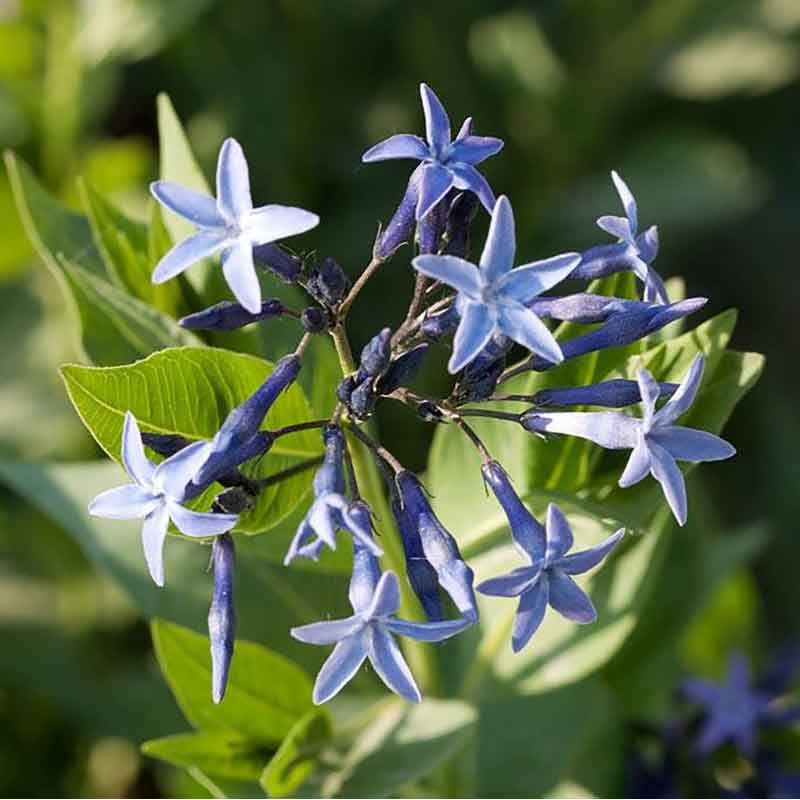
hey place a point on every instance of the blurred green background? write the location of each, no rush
(695, 102)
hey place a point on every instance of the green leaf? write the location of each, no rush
(219, 753)
(298, 755)
(266, 695)
(189, 391)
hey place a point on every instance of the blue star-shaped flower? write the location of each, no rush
(445, 164)
(547, 580)
(156, 495)
(368, 633)
(657, 443)
(229, 225)
(491, 298)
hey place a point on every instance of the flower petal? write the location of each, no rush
(136, 463)
(401, 145)
(186, 253)
(513, 584)
(389, 663)
(497, 257)
(329, 631)
(386, 599)
(434, 184)
(437, 123)
(474, 149)
(530, 280)
(559, 534)
(124, 502)
(427, 631)
(240, 275)
(609, 429)
(233, 182)
(465, 176)
(270, 223)
(154, 532)
(200, 523)
(688, 444)
(174, 474)
(628, 201)
(325, 520)
(638, 465)
(700, 691)
(530, 613)
(569, 599)
(668, 474)
(647, 244)
(649, 391)
(525, 328)
(339, 667)
(683, 398)
(576, 563)
(617, 226)
(473, 334)
(299, 542)
(196, 207)
(455, 272)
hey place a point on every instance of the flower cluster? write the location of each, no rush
(485, 310)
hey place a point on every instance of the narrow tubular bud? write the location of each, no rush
(345, 389)
(439, 547)
(431, 227)
(221, 615)
(610, 394)
(329, 478)
(439, 325)
(363, 399)
(402, 370)
(400, 226)
(230, 316)
(376, 353)
(165, 444)
(274, 258)
(459, 220)
(583, 308)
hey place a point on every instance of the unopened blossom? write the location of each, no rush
(446, 163)
(546, 580)
(657, 443)
(369, 633)
(221, 614)
(228, 225)
(230, 316)
(156, 495)
(616, 393)
(492, 296)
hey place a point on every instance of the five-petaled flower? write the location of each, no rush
(547, 580)
(491, 297)
(229, 225)
(656, 442)
(156, 495)
(446, 164)
(368, 633)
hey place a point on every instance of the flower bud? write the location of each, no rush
(583, 308)
(230, 316)
(400, 226)
(431, 227)
(376, 353)
(314, 320)
(221, 615)
(479, 378)
(459, 219)
(611, 394)
(328, 283)
(345, 389)
(275, 258)
(402, 369)
(363, 399)
(437, 326)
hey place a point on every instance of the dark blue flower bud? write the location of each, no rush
(610, 394)
(431, 227)
(402, 370)
(165, 444)
(421, 575)
(603, 260)
(230, 316)
(623, 329)
(400, 226)
(363, 399)
(437, 326)
(273, 257)
(583, 308)
(221, 615)
(314, 319)
(243, 423)
(328, 283)
(345, 389)
(459, 220)
(329, 478)
(479, 378)
(439, 547)
(234, 500)
(376, 353)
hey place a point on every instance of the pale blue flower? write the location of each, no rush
(656, 441)
(546, 581)
(228, 225)
(369, 633)
(491, 297)
(446, 163)
(156, 495)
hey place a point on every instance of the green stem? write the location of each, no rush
(370, 483)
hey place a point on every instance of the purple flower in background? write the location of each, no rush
(331, 510)
(657, 443)
(156, 495)
(547, 578)
(229, 225)
(446, 164)
(491, 297)
(368, 633)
